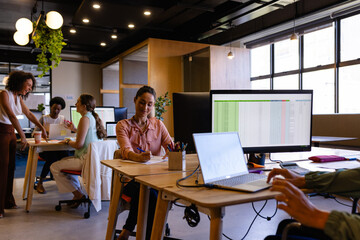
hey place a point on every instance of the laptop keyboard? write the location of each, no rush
(250, 177)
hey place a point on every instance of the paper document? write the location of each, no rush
(154, 159)
(339, 165)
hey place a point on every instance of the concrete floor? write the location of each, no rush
(43, 222)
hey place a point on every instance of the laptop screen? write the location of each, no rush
(220, 155)
(111, 129)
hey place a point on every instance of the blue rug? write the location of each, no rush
(21, 161)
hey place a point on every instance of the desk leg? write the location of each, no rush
(31, 179)
(27, 172)
(142, 212)
(161, 213)
(216, 223)
(114, 206)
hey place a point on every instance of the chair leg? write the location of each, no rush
(354, 206)
(86, 200)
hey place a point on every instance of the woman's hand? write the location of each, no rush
(295, 179)
(297, 205)
(70, 125)
(44, 134)
(23, 143)
(144, 156)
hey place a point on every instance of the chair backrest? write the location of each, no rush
(96, 176)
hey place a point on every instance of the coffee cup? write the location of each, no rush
(37, 136)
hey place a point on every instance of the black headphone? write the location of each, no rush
(192, 215)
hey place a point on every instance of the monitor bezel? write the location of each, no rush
(270, 149)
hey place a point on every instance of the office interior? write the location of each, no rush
(183, 46)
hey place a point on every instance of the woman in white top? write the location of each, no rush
(18, 87)
(56, 105)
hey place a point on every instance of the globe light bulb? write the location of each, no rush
(21, 38)
(54, 20)
(24, 25)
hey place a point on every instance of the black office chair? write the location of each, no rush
(80, 201)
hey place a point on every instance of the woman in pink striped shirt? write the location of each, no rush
(140, 137)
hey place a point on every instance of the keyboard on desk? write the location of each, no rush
(246, 178)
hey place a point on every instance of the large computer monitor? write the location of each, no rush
(120, 113)
(267, 121)
(38, 115)
(107, 114)
(191, 115)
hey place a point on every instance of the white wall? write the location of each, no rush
(70, 79)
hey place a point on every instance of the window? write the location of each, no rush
(260, 61)
(287, 82)
(286, 55)
(350, 47)
(349, 87)
(322, 83)
(319, 47)
(263, 84)
(41, 93)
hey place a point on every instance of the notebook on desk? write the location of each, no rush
(58, 132)
(223, 164)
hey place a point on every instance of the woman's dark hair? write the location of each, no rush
(58, 100)
(90, 103)
(16, 81)
(145, 89)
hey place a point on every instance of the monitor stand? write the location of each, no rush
(258, 158)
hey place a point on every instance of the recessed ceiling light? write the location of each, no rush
(72, 30)
(96, 5)
(102, 44)
(113, 36)
(147, 13)
(131, 25)
(86, 20)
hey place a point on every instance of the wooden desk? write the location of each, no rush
(31, 166)
(132, 170)
(210, 201)
(316, 140)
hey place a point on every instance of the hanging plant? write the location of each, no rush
(50, 42)
(160, 104)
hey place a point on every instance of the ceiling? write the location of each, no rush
(206, 21)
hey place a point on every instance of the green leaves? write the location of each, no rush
(40, 107)
(160, 104)
(50, 42)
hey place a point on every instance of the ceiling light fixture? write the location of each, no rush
(147, 13)
(96, 6)
(131, 25)
(72, 30)
(86, 20)
(230, 54)
(24, 26)
(102, 44)
(294, 36)
(113, 36)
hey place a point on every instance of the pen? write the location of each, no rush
(351, 159)
(140, 149)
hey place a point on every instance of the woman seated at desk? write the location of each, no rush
(56, 105)
(18, 87)
(317, 223)
(139, 137)
(90, 129)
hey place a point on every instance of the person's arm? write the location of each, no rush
(32, 118)
(126, 149)
(4, 100)
(342, 225)
(335, 182)
(82, 130)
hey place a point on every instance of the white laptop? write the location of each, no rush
(223, 163)
(58, 132)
